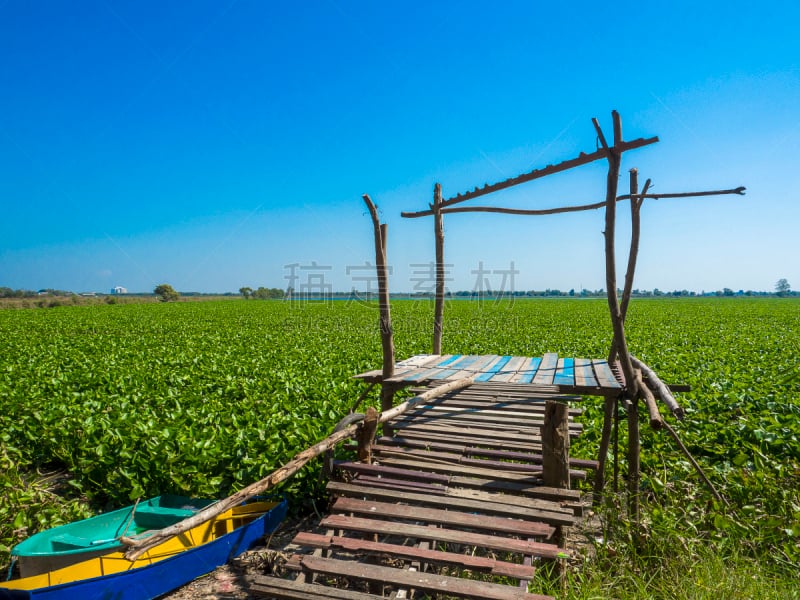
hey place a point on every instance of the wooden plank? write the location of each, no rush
(565, 372)
(547, 369)
(473, 563)
(472, 417)
(402, 484)
(480, 430)
(512, 444)
(604, 375)
(527, 374)
(434, 371)
(584, 376)
(463, 471)
(492, 370)
(390, 455)
(499, 402)
(465, 500)
(411, 365)
(381, 470)
(275, 587)
(450, 518)
(533, 489)
(510, 369)
(453, 409)
(468, 450)
(452, 586)
(475, 367)
(456, 365)
(439, 534)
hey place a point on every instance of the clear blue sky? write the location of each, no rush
(211, 144)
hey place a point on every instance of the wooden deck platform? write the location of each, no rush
(451, 506)
(547, 373)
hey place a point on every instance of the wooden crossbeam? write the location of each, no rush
(582, 159)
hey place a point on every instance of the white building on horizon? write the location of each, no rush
(119, 290)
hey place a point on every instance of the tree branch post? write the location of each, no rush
(438, 313)
(387, 336)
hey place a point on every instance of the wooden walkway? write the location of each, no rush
(452, 504)
(547, 373)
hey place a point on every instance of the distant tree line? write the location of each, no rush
(7, 292)
(262, 293)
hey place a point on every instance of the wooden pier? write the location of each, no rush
(466, 492)
(452, 504)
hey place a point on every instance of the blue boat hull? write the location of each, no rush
(164, 576)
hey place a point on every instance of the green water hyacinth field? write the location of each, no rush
(100, 405)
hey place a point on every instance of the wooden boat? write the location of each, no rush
(166, 567)
(68, 544)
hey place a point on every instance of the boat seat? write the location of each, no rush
(67, 541)
(158, 517)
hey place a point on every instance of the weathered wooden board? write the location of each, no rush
(388, 456)
(474, 417)
(565, 372)
(397, 473)
(479, 430)
(604, 374)
(584, 375)
(510, 369)
(528, 372)
(449, 518)
(475, 367)
(440, 534)
(528, 444)
(547, 369)
(274, 587)
(467, 450)
(492, 370)
(436, 557)
(453, 586)
(476, 501)
(534, 490)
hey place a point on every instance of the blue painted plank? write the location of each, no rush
(492, 371)
(565, 374)
(547, 370)
(529, 371)
(447, 361)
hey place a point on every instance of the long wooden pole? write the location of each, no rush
(582, 159)
(566, 209)
(387, 336)
(438, 316)
(614, 159)
(137, 547)
(660, 388)
(633, 253)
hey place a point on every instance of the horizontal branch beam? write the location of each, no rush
(565, 209)
(739, 191)
(582, 159)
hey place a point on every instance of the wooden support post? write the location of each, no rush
(614, 156)
(387, 338)
(615, 486)
(438, 312)
(605, 438)
(633, 460)
(366, 435)
(555, 445)
(633, 254)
